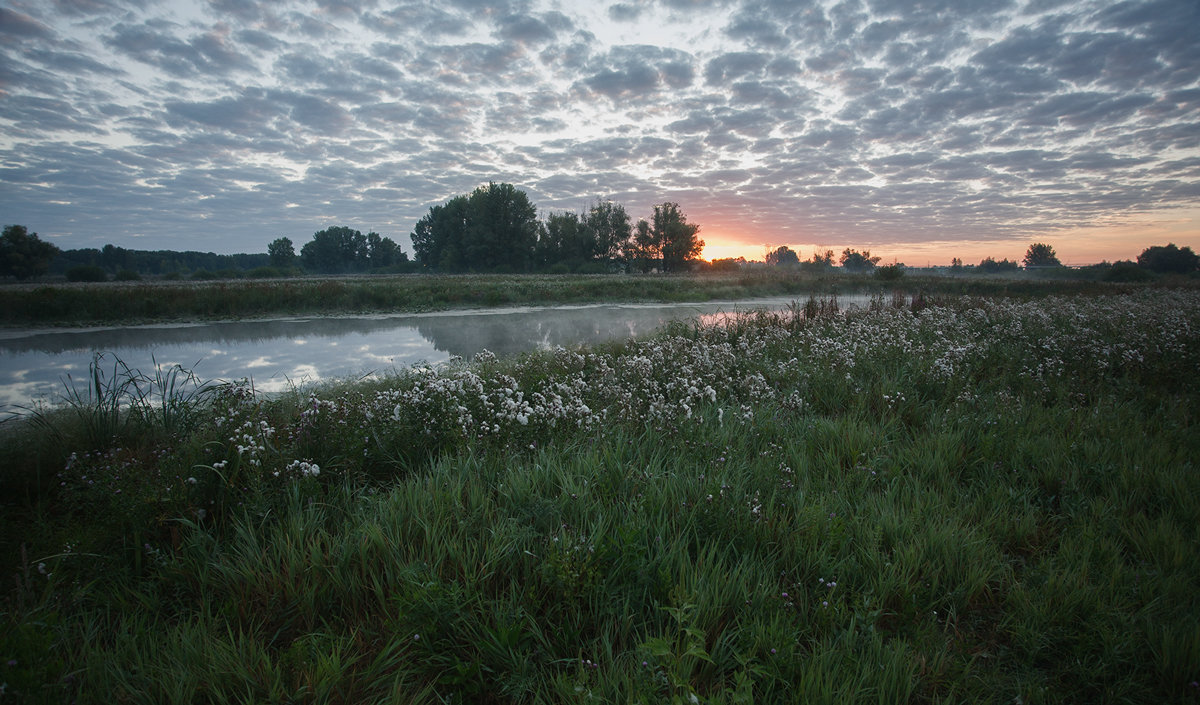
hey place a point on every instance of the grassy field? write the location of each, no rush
(980, 500)
(143, 302)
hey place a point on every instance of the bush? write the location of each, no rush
(1126, 272)
(127, 275)
(889, 273)
(593, 267)
(265, 273)
(86, 273)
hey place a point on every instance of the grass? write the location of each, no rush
(980, 501)
(132, 302)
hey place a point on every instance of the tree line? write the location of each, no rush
(495, 228)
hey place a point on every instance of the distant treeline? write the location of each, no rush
(113, 261)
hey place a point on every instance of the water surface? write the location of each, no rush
(35, 365)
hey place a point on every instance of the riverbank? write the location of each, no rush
(974, 501)
(128, 303)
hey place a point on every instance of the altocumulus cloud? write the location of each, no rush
(223, 125)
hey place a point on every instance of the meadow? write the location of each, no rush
(959, 499)
(125, 303)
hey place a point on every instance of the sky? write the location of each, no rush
(918, 129)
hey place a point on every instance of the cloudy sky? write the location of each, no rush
(921, 129)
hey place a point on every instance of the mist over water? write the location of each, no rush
(275, 354)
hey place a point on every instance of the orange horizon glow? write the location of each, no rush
(1075, 247)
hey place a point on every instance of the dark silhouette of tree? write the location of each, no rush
(676, 238)
(991, 266)
(335, 250)
(23, 254)
(383, 251)
(783, 256)
(644, 251)
(855, 261)
(1040, 254)
(493, 229)
(820, 262)
(340, 249)
(729, 264)
(610, 228)
(282, 252)
(438, 237)
(565, 239)
(1169, 259)
(502, 229)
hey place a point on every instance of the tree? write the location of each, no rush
(494, 228)
(1169, 259)
(383, 251)
(643, 250)
(281, 252)
(437, 238)
(23, 254)
(502, 229)
(855, 261)
(956, 264)
(991, 266)
(675, 236)
(335, 250)
(728, 264)
(610, 228)
(820, 262)
(783, 256)
(565, 238)
(1041, 255)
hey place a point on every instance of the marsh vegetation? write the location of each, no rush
(965, 499)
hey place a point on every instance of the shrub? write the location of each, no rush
(889, 273)
(1126, 272)
(127, 275)
(86, 273)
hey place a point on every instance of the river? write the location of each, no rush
(37, 366)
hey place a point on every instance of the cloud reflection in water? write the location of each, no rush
(280, 353)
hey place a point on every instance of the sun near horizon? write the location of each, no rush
(1080, 246)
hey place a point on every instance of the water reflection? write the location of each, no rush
(278, 353)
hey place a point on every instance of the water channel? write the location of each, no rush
(37, 365)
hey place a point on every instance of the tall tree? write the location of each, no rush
(565, 238)
(23, 254)
(855, 261)
(502, 229)
(383, 251)
(644, 250)
(676, 237)
(610, 227)
(783, 256)
(282, 252)
(494, 228)
(438, 237)
(1040, 254)
(1169, 259)
(335, 250)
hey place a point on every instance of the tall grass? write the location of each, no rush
(981, 501)
(124, 302)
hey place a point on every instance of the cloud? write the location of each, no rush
(883, 120)
(638, 73)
